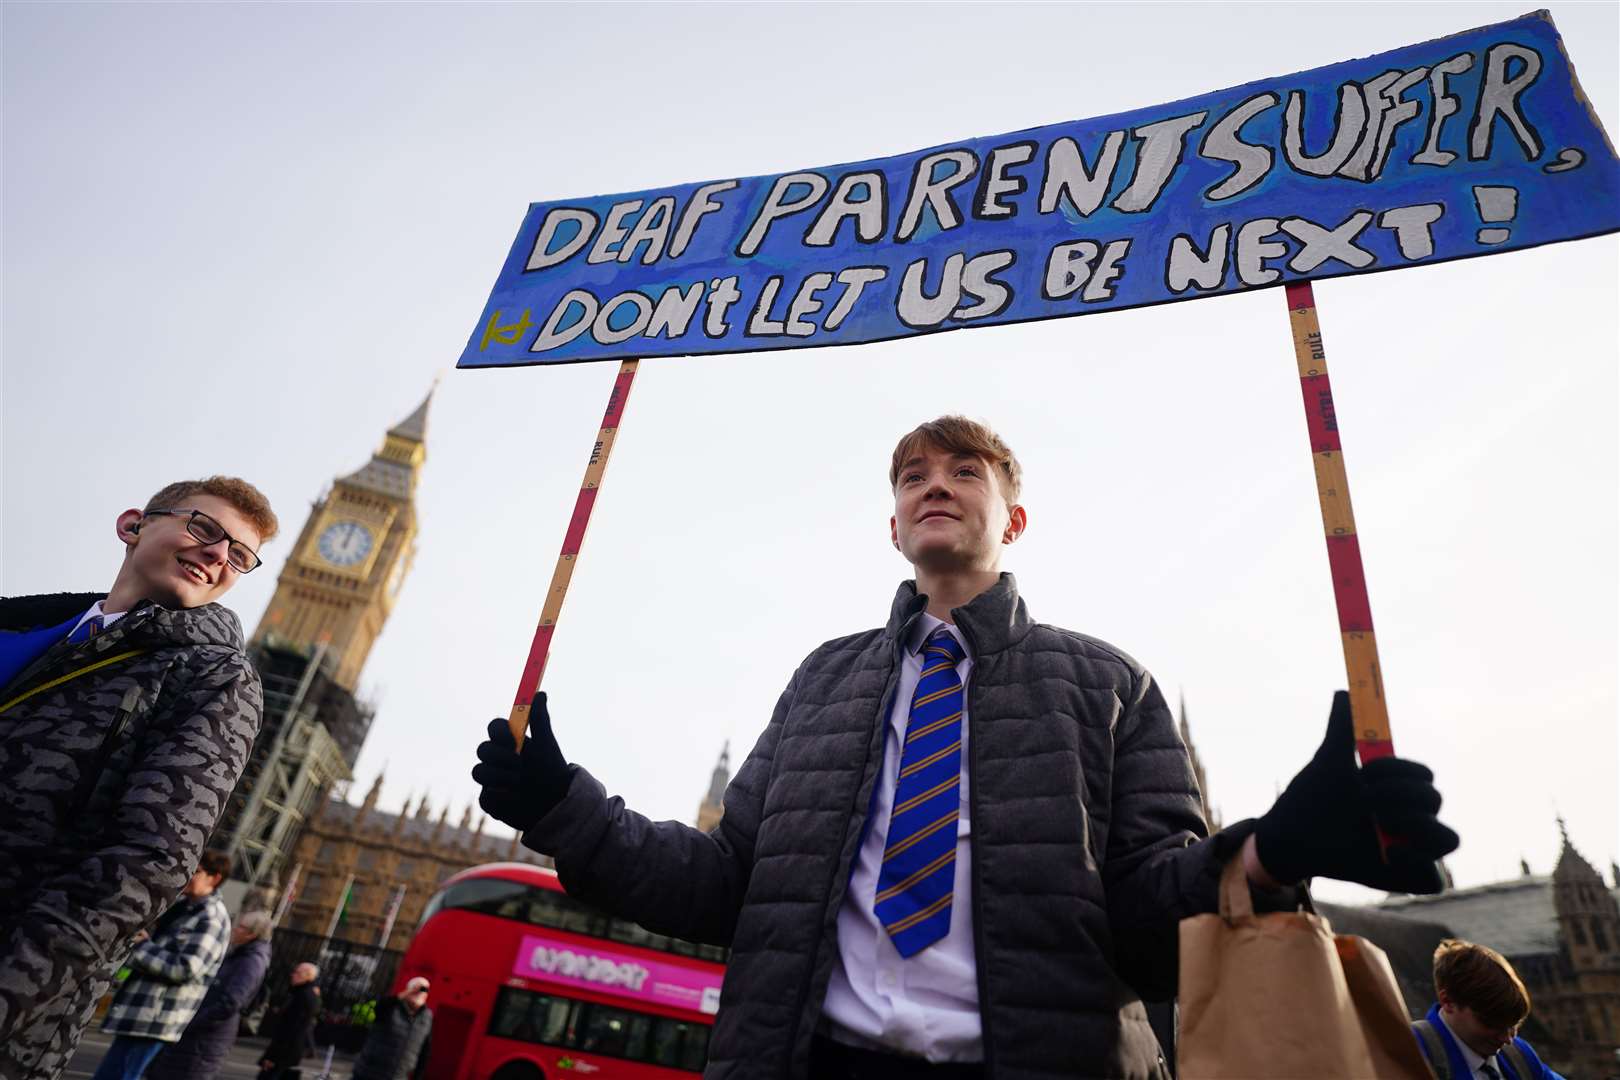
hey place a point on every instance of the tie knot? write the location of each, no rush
(943, 641)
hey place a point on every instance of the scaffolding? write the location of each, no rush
(294, 763)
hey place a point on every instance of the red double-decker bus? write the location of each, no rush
(530, 983)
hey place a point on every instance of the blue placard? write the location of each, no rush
(1468, 145)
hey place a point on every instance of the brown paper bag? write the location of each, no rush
(1276, 997)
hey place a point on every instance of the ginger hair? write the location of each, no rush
(248, 500)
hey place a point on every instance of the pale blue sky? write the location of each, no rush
(246, 238)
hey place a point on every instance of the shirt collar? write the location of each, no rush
(107, 618)
(923, 627)
(1471, 1059)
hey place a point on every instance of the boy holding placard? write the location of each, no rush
(962, 845)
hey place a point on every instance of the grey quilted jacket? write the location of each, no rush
(1088, 842)
(110, 784)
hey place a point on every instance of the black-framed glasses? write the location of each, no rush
(243, 559)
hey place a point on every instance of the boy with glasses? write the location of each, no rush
(126, 719)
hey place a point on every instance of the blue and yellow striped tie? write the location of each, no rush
(919, 856)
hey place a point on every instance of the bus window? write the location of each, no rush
(514, 1018)
(695, 1047)
(640, 1033)
(599, 1029)
(631, 933)
(666, 1044)
(605, 1031)
(554, 1028)
(537, 1018)
(488, 896)
(542, 907)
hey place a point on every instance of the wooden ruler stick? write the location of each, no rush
(534, 669)
(1367, 703)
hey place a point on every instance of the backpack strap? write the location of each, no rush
(70, 676)
(1433, 1049)
(1520, 1063)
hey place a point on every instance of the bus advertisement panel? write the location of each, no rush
(552, 959)
(529, 984)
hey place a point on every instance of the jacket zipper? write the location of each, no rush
(979, 954)
(86, 787)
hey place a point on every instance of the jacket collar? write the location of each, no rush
(1454, 1052)
(147, 625)
(991, 621)
(20, 613)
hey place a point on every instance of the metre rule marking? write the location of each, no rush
(534, 668)
(1368, 707)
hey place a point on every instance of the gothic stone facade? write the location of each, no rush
(384, 851)
(1562, 935)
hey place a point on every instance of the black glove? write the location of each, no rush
(1325, 824)
(521, 787)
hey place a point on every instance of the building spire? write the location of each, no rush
(713, 806)
(376, 790)
(1211, 815)
(393, 469)
(414, 426)
(721, 775)
(404, 812)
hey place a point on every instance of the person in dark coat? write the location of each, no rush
(212, 1031)
(113, 703)
(961, 846)
(400, 1040)
(290, 1033)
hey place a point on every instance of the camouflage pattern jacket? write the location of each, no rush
(111, 781)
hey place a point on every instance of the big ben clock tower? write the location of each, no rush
(340, 582)
(334, 594)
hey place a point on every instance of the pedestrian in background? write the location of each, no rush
(1471, 1032)
(290, 1033)
(212, 1032)
(169, 974)
(126, 718)
(397, 1046)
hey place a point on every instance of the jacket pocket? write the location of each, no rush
(111, 740)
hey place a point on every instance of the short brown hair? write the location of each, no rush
(1479, 978)
(216, 862)
(959, 435)
(248, 500)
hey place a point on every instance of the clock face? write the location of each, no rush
(345, 543)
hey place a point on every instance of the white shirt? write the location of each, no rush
(927, 1005)
(95, 609)
(1471, 1059)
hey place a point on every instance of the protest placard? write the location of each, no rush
(1476, 143)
